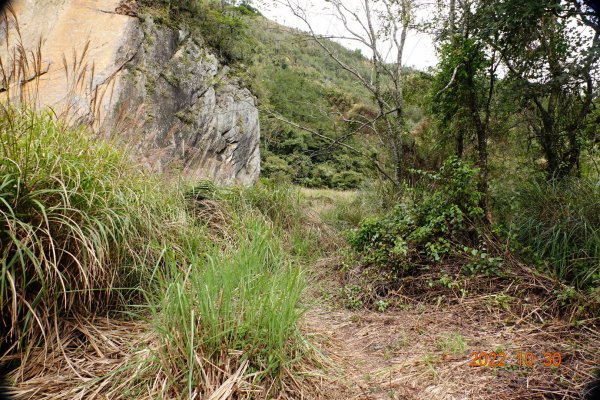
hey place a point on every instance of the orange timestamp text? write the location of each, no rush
(522, 359)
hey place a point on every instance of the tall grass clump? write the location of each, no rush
(560, 222)
(280, 205)
(239, 301)
(76, 221)
(373, 198)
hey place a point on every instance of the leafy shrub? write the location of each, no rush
(560, 222)
(352, 296)
(441, 221)
(346, 180)
(275, 166)
(223, 28)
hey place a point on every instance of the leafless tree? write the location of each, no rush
(381, 26)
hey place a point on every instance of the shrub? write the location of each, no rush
(347, 180)
(442, 220)
(223, 28)
(273, 166)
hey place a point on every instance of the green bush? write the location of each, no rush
(441, 220)
(273, 166)
(222, 28)
(346, 180)
(560, 222)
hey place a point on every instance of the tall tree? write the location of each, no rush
(465, 85)
(552, 64)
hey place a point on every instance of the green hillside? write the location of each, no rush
(293, 78)
(312, 111)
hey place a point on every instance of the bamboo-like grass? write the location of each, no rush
(560, 222)
(74, 220)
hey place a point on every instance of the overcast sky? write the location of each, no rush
(419, 51)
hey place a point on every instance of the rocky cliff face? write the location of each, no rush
(157, 87)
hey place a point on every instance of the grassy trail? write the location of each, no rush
(419, 347)
(424, 353)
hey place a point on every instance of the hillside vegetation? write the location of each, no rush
(314, 116)
(312, 110)
(84, 234)
(384, 254)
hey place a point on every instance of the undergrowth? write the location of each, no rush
(84, 233)
(77, 223)
(435, 223)
(436, 239)
(558, 222)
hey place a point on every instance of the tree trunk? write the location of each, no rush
(460, 143)
(482, 134)
(452, 18)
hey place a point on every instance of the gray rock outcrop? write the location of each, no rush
(156, 87)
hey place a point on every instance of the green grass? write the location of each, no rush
(453, 343)
(84, 233)
(284, 207)
(76, 222)
(243, 297)
(560, 222)
(347, 209)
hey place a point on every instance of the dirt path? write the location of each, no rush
(424, 352)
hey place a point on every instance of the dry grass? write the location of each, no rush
(394, 355)
(108, 358)
(101, 359)
(80, 361)
(323, 200)
(422, 349)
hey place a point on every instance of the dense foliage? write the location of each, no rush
(559, 222)
(513, 92)
(443, 221)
